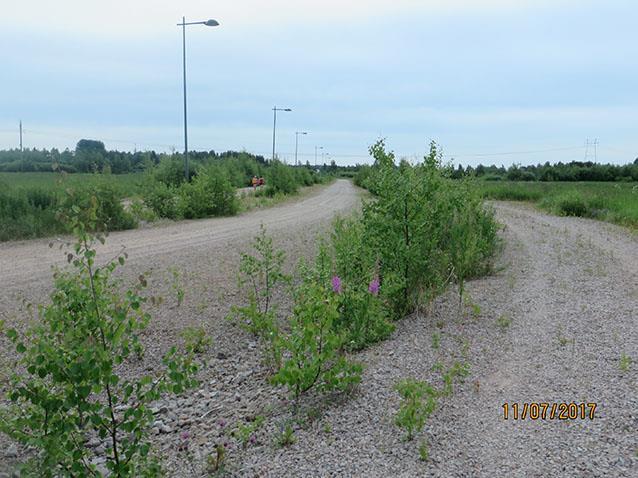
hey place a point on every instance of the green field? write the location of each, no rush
(615, 202)
(29, 201)
(126, 184)
(37, 204)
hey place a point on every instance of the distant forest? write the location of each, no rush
(573, 171)
(91, 156)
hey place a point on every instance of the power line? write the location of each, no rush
(513, 153)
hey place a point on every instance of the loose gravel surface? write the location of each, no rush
(549, 325)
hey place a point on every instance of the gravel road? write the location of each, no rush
(22, 262)
(553, 323)
(550, 325)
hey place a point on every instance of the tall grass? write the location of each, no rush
(612, 202)
(125, 184)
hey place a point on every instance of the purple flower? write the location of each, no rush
(373, 288)
(221, 422)
(184, 445)
(253, 439)
(336, 285)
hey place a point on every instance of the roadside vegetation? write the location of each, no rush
(70, 388)
(29, 201)
(419, 234)
(573, 171)
(615, 202)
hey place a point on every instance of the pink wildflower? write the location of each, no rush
(336, 285)
(373, 288)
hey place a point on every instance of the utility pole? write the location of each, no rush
(208, 23)
(274, 128)
(297, 133)
(21, 151)
(591, 144)
(316, 148)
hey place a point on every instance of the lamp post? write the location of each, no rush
(208, 23)
(316, 148)
(297, 133)
(274, 127)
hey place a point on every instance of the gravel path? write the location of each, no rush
(549, 326)
(23, 261)
(567, 288)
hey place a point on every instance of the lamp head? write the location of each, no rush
(211, 23)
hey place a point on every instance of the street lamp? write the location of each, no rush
(274, 127)
(297, 133)
(208, 23)
(316, 148)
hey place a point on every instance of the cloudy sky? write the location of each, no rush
(492, 81)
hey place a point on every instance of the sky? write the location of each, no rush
(491, 81)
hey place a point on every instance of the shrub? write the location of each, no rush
(23, 218)
(280, 179)
(170, 172)
(261, 275)
(196, 340)
(209, 194)
(423, 229)
(162, 199)
(103, 201)
(71, 388)
(418, 401)
(362, 317)
(313, 347)
(41, 199)
(571, 204)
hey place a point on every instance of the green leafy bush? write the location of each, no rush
(22, 216)
(209, 194)
(362, 317)
(280, 179)
(571, 204)
(418, 401)
(196, 340)
(422, 229)
(69, 386)
(104, 201)
(162, 199)
(313, 357)
(261, 276)
(170, 172)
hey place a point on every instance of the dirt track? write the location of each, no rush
(22, 262)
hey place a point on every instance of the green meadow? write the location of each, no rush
(615, 202)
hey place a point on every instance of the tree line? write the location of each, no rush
(91, 156)
(572, 171)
